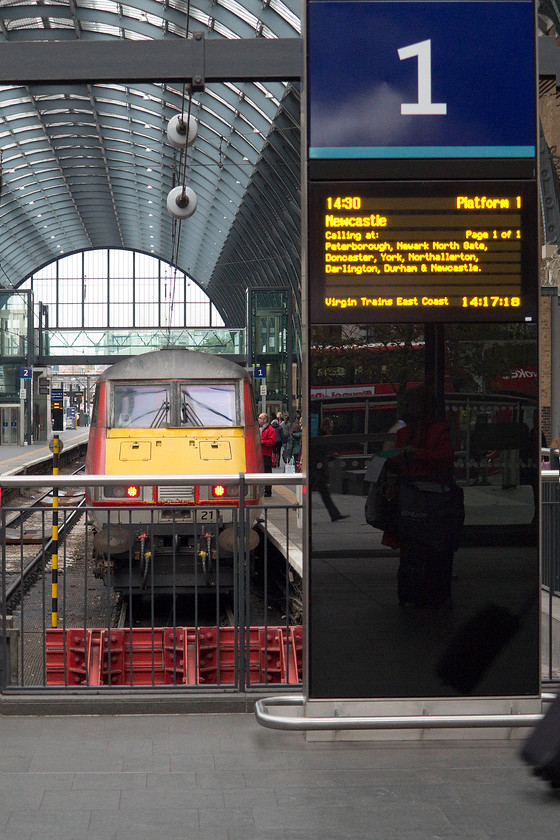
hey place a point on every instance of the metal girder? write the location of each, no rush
(217, 60)
(243, 59)
(549, 57)
(550, 194)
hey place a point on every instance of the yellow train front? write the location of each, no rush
(171, 412)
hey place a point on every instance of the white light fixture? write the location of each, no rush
(182, 132)
(181, 202)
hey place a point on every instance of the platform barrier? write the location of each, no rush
(180, 600)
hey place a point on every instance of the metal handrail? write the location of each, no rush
(304, 724)
(143, 480)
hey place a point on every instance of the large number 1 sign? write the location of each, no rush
(422, 52)
(402, 80)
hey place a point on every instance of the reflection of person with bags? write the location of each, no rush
(381, 509)
(430, 503)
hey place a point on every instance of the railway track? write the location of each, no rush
(27, 528)
(181, 615)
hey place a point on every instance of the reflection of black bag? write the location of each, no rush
(431, 511)
(382, 503)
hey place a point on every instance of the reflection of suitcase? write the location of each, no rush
(542, 748)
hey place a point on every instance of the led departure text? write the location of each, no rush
(422, 252)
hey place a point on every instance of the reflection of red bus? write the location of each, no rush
(477, 422)
(355, 409)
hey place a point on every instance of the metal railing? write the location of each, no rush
(550, 574)
(267, 595)
(238, 631)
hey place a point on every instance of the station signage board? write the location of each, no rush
(421, 79)
(57, 398)
(421, 203)
(426, 251)
(416, 104)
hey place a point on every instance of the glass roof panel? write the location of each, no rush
(83, 153)
(287, 14)
(239, 10)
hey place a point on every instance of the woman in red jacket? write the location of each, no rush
(426, 451)
(268, 442)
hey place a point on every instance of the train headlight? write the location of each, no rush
(224, 492)
(120, 492)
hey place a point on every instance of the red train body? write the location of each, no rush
(166, 413)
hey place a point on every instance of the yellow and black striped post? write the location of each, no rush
(54, 578)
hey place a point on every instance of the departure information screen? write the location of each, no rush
(422, 251)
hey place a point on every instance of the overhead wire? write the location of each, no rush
(182, 178)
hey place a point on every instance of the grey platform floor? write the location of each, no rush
(223, 777)
(14, 458)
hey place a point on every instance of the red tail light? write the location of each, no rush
(218, 491)
(132, 492)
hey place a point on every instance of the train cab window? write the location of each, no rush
(95, 409)
(141, 406)
(207, 405)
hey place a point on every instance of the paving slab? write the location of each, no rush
(243, 782)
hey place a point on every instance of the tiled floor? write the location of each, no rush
(223, 777)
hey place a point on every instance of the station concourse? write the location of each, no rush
(219, 776)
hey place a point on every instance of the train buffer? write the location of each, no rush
(147, 656)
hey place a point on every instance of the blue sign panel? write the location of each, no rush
(26, 373)
(421, 79)
(259, 372)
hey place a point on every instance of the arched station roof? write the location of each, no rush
(88, 165)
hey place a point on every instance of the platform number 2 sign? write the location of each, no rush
(423, 51)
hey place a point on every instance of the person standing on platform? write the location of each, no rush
(268, 442)
(293, 448)
(278, 445)
(319, 457)
(286, 431)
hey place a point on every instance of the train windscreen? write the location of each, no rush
(141, 406)
(160, 404)
(207, 405)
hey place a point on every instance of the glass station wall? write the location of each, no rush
(15, 309)
(112, 289)
(381, 624)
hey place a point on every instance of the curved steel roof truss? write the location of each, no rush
(89, 165)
